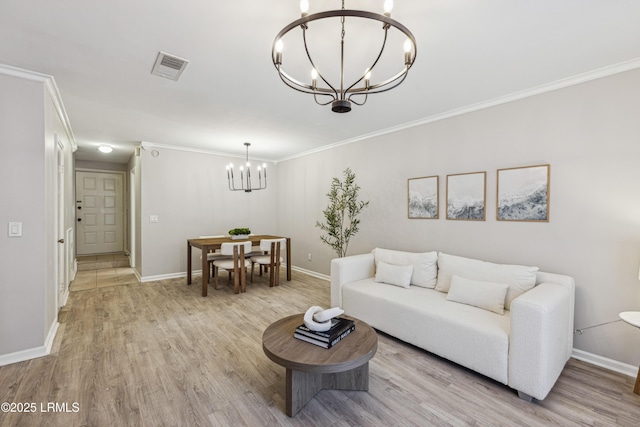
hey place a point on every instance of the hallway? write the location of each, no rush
(99, 271)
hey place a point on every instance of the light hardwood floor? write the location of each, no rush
(159, 354)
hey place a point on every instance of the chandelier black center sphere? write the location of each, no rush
(342, 94)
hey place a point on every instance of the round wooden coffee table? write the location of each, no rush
(310, 368)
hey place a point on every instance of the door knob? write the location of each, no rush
(61, 241)
(79, 219)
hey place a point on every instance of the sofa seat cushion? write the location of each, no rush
(467, 335)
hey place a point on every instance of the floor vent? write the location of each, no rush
(169, 66)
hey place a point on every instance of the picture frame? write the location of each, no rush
(423, 196)
(466, 196)
(523, 193)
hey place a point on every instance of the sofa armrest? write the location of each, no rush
(541, 337)
(349, 269)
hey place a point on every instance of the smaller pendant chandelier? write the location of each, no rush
(341, 94)
(245, 176)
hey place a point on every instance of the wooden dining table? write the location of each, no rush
(210, 244)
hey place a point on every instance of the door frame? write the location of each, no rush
(61, 263)
(125, 203)
(131, 235)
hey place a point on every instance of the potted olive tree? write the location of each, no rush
(341, 215)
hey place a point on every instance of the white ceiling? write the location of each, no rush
(469, 51)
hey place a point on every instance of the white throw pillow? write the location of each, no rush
(425, 264)
(486, 295)
(519, 278)
(398, 275)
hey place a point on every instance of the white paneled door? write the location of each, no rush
(99, 212)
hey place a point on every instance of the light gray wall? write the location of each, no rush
(188, 192)
(22, 280)
(588, 133)
(29, 122)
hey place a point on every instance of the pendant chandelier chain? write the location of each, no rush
(342, 94)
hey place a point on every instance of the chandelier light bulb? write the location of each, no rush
(241, 168)
(304, 7)
(407, 52)
(279, 46)
(388, 6)
(407, 45)
(264, 166)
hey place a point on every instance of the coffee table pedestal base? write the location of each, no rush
(303, 386)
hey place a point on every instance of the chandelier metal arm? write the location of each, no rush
(384, 42)
(401, 75)
(302, 87)
(306, 49)
(315, 98)
(366, 95)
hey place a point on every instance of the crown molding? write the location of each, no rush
(516, 96)
(146, 145)
(52, 88)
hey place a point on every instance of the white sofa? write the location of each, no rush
(432, 300)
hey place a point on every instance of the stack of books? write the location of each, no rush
(340, 328)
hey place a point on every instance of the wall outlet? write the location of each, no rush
(309, 257)
(153, 218)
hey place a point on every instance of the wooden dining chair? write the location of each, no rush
(271, 260)
(236, 265)
(212, 256)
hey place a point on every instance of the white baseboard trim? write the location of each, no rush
(21, 356)
(603, 362)
(311, 273)
(48, 343)
(65, 298)
(144, 279)
(197, 273)
(32, 353)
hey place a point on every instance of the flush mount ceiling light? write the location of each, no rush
(105, 148)
(343, 93)
(245, 176)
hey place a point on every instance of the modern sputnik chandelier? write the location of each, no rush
(245, 176)
(342, 94)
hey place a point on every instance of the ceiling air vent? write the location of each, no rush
(169, 66)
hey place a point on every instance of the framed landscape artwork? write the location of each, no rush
(523, 194)
(466, 196)
(423, 197)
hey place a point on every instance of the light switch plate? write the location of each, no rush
(153, 218)
(15, 229)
